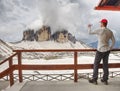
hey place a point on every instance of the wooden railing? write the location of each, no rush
(75, 66)
(8, 71)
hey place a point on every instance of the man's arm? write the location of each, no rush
(113, 41)
(89, 30)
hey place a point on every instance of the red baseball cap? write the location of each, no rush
(104, 21)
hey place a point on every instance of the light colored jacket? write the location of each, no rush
(104, 36)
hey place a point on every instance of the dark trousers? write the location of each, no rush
(99, 56)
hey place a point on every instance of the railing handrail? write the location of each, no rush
(47, 50)
(8, 58)
(59, 50)
(53, 50)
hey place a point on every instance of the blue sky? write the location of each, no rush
(73, 15)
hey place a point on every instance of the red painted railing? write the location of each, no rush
(75, 66)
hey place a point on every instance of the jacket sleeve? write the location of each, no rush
(113, 41)
(92, 32)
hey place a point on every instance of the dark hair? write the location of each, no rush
(104, 24)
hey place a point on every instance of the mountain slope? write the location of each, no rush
(5, 50)
(49, 45)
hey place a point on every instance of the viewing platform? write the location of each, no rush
(81, 85)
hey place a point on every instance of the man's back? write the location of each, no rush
(104, 36)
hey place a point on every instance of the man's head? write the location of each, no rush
(104, 22)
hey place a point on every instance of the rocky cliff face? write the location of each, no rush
(63, 36)
(28, 35)
(44, 34)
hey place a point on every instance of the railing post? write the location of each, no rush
(75, 67)
(19, 67)
(11, 73)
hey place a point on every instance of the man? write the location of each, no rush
(103, 49)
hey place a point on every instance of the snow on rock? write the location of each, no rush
(49, 45)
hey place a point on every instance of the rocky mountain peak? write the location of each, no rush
(44, 34)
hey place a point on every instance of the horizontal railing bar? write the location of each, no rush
(54, 50)
(63, 67)
(7, 71)
(51, 50)
(8, 58)
(60, 50)
(90, 66)
(45, 67)
(116, 49)
(54, 67)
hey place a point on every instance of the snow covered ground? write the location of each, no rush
(48, 45)
(6, 47)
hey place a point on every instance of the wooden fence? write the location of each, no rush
(75, 66)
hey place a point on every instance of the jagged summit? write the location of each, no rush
(44, 34)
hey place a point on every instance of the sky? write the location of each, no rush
(73, 15)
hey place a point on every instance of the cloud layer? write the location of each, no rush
(73, 15)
